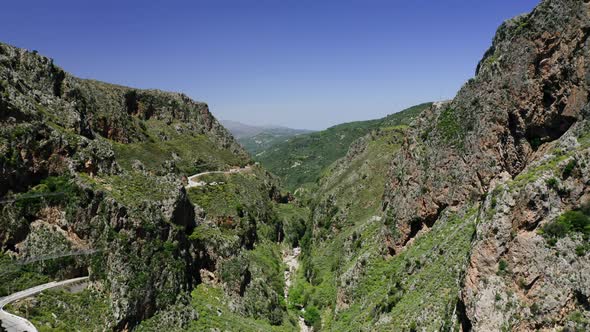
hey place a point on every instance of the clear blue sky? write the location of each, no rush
(298, 63)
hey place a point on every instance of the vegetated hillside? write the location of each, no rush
(97, 169)
(302, 159)
(484, 222)
(256, 139)
(344, 224)
(263, 141)
(474, 215)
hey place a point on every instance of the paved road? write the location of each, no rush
(13, 323)
(192, 180)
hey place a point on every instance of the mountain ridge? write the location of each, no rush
(87, 166)
(301, 159)
(467, 214)
(242, 130)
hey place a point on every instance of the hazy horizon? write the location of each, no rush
(297, 64)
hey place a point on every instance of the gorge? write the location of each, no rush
(459, 215)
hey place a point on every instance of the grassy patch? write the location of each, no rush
(131, 188)
(192, 153)
(215, 313)
(53, 191)
(492, 59)
(568, 223)
(450, 127)
(421, 281)
(15, 277)
(235, 195)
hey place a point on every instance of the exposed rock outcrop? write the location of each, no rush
(528, 99)
(54, 121)
(530, 88)
(63, 142)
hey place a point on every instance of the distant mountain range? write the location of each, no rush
(256, 139)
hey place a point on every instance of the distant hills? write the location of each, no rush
(301, 159)
(256, 139)
(471, 214)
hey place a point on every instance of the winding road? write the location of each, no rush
(192, 180)
(13, 323)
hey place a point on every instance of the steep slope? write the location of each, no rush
(529, 98)
(302, 159)
(343, 233)
(484, 218)
(474, 215)
(91, 183)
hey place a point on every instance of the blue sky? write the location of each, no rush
(298, 63)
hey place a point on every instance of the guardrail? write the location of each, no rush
(25, 196)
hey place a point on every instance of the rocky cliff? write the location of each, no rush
(512, 143)
(97, 170)
(469, 214)
(484, 219)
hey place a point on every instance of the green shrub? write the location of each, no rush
(492, 59)
(579, 220)
(576, 317)
(387, 303)
(296, 295)
(449, 125)
(494, 202)
(552, 183)
(535, 143)
(535, 309)
(523, 23)
(570, 221)
(556, 229)
(582, 249)
(569, 168)
(502, 267)
(498, 297)
(312, 317)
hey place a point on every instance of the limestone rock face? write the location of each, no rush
(39, 101)
(62, 140)
(525, 112)
(516, 278)
(458, 240)
(530, 87)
